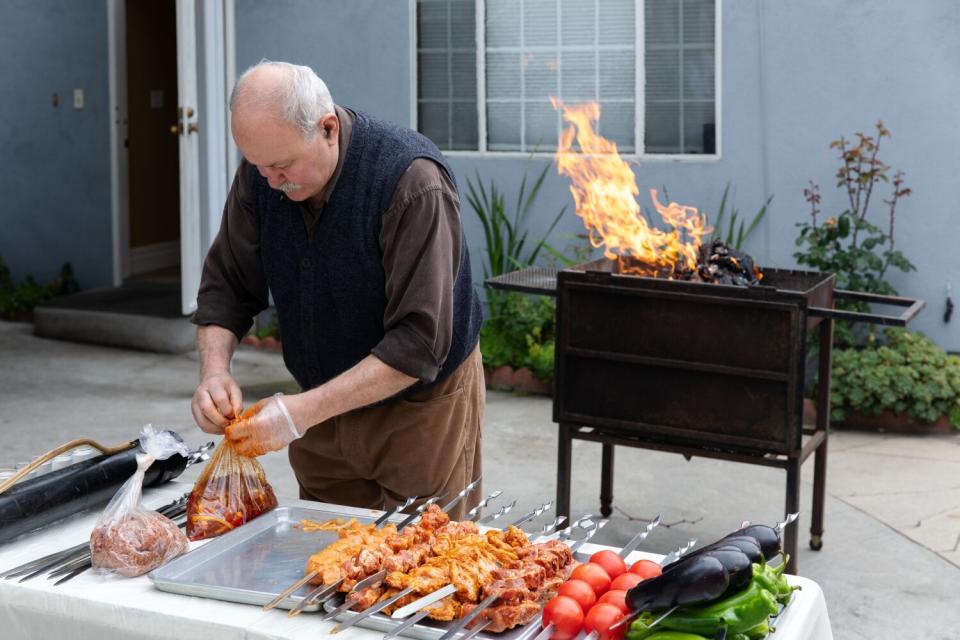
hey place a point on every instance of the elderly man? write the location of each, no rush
(353, 225)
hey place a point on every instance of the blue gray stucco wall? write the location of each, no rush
(794, 77)
(360, 48)
(55, 161)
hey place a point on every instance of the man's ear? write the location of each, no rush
(329, 125)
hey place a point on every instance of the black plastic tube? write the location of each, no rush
(35, 503)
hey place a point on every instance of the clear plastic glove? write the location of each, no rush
(267, 426)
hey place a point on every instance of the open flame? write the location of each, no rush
(604, 191)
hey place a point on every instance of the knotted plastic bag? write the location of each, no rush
(129, 539)
(231, 491)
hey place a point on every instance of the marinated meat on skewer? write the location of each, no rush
(329, 563)
(505, 563)
(522, 588)
(437, 552)
(400, 552)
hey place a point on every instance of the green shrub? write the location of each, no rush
(909, 374)
(17, 301)
(521, 334)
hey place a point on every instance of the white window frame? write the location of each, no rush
(640, 97)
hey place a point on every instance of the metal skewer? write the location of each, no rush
(390, 513)
(476, 629)
(592, 532)
(319, 594)
(369, 611)
(473, 513)
(549, 528)
(460, 496)
(533, 514)
(406, 624)
(675, 555)
(289, 590)
(419, 511)
(323, 592)
(504, 510)
(567, 532)
(780, 526)
(467, 619)
(423, 602)
(640, 537)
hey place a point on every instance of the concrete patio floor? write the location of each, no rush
(890, 557)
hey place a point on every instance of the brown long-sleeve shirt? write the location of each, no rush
(420, 244)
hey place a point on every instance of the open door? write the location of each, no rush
(191, 254)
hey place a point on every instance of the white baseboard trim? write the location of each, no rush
(154, 256)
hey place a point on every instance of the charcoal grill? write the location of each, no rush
(694, 368)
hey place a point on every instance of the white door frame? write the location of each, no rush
(188, 108)
(218, 160)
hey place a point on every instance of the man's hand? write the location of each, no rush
(270, 428)
(216, 402)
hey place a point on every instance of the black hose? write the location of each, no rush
(35, 503)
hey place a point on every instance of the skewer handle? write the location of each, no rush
(546, 633)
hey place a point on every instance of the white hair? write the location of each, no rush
(302, 100)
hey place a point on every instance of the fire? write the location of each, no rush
(605, 193)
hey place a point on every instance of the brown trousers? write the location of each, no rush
(423, 445)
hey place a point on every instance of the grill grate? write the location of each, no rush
(539, 280)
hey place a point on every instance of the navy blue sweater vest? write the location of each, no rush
(329, 288)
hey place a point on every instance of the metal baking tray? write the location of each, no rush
(254, 563)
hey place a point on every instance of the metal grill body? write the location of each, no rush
(693, 368)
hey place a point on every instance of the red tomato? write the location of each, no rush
(593, 575)
(646, 569)
(601, 617)
(616, 597)
(565, 615)
(627, 581)
(612, 563)
(580, 591)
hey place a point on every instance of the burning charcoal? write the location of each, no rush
(722, 264)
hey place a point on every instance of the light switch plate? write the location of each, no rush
(78, 98)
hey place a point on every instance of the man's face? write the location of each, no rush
(297, 166)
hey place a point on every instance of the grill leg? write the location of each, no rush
(564, 449)
(823, 424)
(606, 480)
(793, 506)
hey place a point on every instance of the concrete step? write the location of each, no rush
(137, 315)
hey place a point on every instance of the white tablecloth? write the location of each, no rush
(94, 607)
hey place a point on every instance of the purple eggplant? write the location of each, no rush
(701, 579)
(766, 537)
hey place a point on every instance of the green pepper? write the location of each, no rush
(674, 635)
(774, 581)
(737, 613)
(758, 632)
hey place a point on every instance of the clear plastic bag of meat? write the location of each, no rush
(231, 491)
(129, 539)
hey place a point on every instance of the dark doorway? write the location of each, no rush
(152, 147)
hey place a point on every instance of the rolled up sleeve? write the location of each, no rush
(233, 287)
(420, 241)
